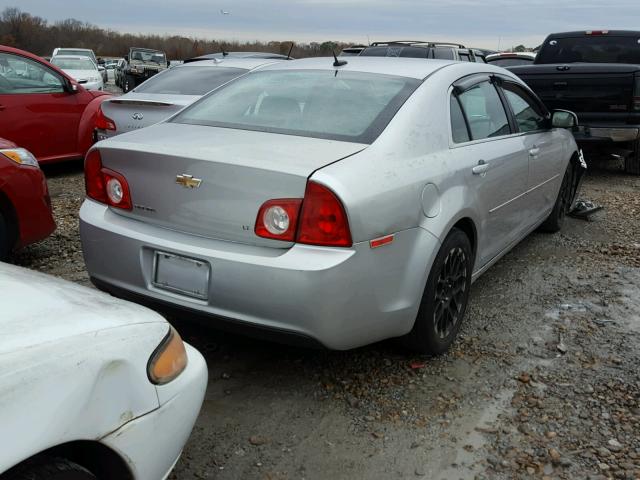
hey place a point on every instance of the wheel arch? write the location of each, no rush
(102, 461)
(87, 123)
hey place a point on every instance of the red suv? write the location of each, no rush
(25, 207)
(43, 109)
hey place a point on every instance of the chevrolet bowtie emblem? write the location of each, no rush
(187, 181)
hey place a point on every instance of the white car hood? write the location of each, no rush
(83, 74)
(37, 308)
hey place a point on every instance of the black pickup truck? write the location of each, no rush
(595, 74)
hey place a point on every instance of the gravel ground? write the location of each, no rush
(542, 383)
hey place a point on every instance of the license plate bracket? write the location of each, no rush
(182, 275)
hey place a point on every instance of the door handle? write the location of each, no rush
(481, 168)
(2, 107)
(534, 151)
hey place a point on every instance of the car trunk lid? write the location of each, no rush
(237, 172)
(138, 110)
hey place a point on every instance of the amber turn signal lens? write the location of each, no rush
(168, 360)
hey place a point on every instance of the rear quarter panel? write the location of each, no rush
(383, 185)
(79, 388)
(87, 122)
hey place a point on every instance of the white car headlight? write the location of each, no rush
(20, 156)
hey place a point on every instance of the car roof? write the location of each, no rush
(146, 49)
(417, 43)
(512, 54)
(234, 62)
(220, 55)
(596, 33)
(418, 68)
(74, 48)
(73, 57)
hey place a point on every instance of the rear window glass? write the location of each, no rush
(189, 80)
(347, 106)
(591, 49)
(396, 51)
(511, 62)
(81, 53)
(74, 63)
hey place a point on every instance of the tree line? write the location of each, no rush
(35, 34)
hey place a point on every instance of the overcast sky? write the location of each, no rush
(480, 23)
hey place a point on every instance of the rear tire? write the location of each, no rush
(445, 297)
(49, 468)
(5, 239)
(555, 220)
(632, 162)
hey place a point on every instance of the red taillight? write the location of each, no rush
(104, 185)
(323, 220)
(597, 32)
(103, 122)
(93, 181)
(278, 219)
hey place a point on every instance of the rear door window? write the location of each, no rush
(484, 111)
(459, 130)
(464, 57)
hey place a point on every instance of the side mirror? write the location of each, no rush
(71, 87)
(126, 58)
(100, 61)
(564, 119)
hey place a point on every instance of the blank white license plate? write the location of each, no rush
(186, 276)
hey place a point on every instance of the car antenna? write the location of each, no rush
(290, 50)
(338, 63)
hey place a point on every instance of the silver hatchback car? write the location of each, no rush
(341, 203)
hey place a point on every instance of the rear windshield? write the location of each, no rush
(74, 63)
(511, 62)
(347, 106)
(80, 53)
(189, 80)
(591, 49)
(396, 51)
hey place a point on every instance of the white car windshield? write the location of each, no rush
(74, 63)
(348, 106)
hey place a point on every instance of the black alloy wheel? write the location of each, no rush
(450, 292)
(445, 297)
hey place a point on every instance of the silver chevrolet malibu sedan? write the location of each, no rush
(330, 202)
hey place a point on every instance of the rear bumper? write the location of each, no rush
(594, 133)
(343, 298)
(151, 444)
